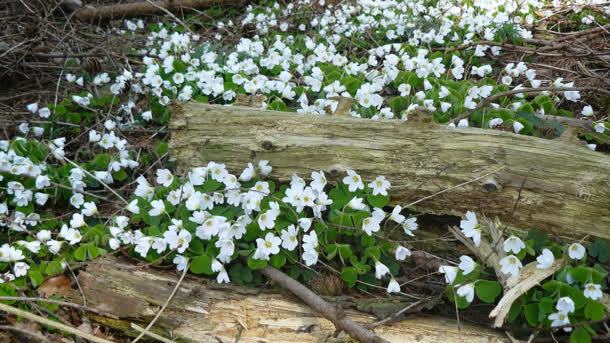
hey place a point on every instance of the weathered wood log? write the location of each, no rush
(145, 8)
(550, 185)
(202, 311)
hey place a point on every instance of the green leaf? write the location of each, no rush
(514, 311)
(585, 274)
(339, 198)
(594, 310)
(349, 275)
(36, 278)
(256, 264)
(373, 252)
(531, 314)
(278, 260)
(345, 251)
(580, 335)
(378, 200)
(201, 264)
(277, 105)
(54, 268)
(399, 104)
(487, 291)
(546, 305)
(351, 84)
(92, 251)
(600, 249)
(80, 254)
(196, 246)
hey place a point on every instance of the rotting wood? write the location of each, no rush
(202, 311)
(549, 185)
(145, 8)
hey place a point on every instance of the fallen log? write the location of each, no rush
(550, 185)
(146, 8)
(202, 311)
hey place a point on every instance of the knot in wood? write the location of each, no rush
(267, 145)
(490, 185)
(335, 170)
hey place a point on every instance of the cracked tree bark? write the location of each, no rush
(203, 311)
(551, 185)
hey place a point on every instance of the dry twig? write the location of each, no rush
(334, 313)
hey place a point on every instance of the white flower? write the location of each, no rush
(396, 216)
(463, 123)
(89, 209)
(289, 237)
(379, 186)
(77, 221)
(410, 225)
(565, 304)
(133, 207)
(267, 220)
(310, 241)
(356, 204)
(559, 319)
(495, 122)
(73, 236)
(592, 147)
(318, 181)
(33, 107)
(600, 127)
(20, 269)
(370, 225)
(94, 136)
(353, 181)
(545, 260)
(43, 235)
(510, 265)
(264, 167)
(450, 273)
(471, 228)
(393, 287)
(467, 264)
(268, 246)
(164, 177)
(147, 115)
(466, 291)
(223, 276)
(517, 126)
(310, 257)
(305, 223)
(247, 174)
(401, 253)
(404, 89)
(177, 240)
(54, 246)
(593, 291)
(514, 244)
(44, 112)
(158, 208)
(576, 251)
(587, 111)
(380, 269)
(181, 262)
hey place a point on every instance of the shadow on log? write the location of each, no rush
(202, 311)
(550, 185)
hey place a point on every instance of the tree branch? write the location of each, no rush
(334, 313)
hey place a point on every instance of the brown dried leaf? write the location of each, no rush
(58, 285)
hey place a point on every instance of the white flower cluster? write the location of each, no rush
(511, 264)
(310, 68)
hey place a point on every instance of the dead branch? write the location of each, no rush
(146, 8)
(334, 313)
